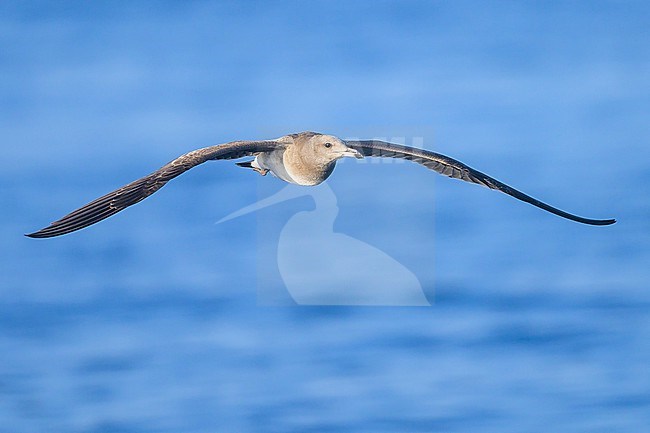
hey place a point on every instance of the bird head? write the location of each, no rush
(327, 148)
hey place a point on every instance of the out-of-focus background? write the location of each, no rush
(149, 321)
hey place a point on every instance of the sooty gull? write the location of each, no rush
(306, 158)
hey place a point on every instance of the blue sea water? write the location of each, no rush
(152, 322)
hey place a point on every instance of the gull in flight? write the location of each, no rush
(306, 158)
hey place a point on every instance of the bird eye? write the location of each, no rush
(328, 145)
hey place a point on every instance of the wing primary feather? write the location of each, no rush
(136, 191)
(453, 168)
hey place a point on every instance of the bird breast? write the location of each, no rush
(290, 167)
(304, 171)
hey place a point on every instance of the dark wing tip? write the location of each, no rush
(48, 232)
(604, 222)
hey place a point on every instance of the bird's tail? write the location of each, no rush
(246, 164)
(252, 164)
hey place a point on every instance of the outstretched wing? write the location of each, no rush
(138, 190)
(456, 169)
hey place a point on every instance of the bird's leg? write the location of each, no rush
(261, 171)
